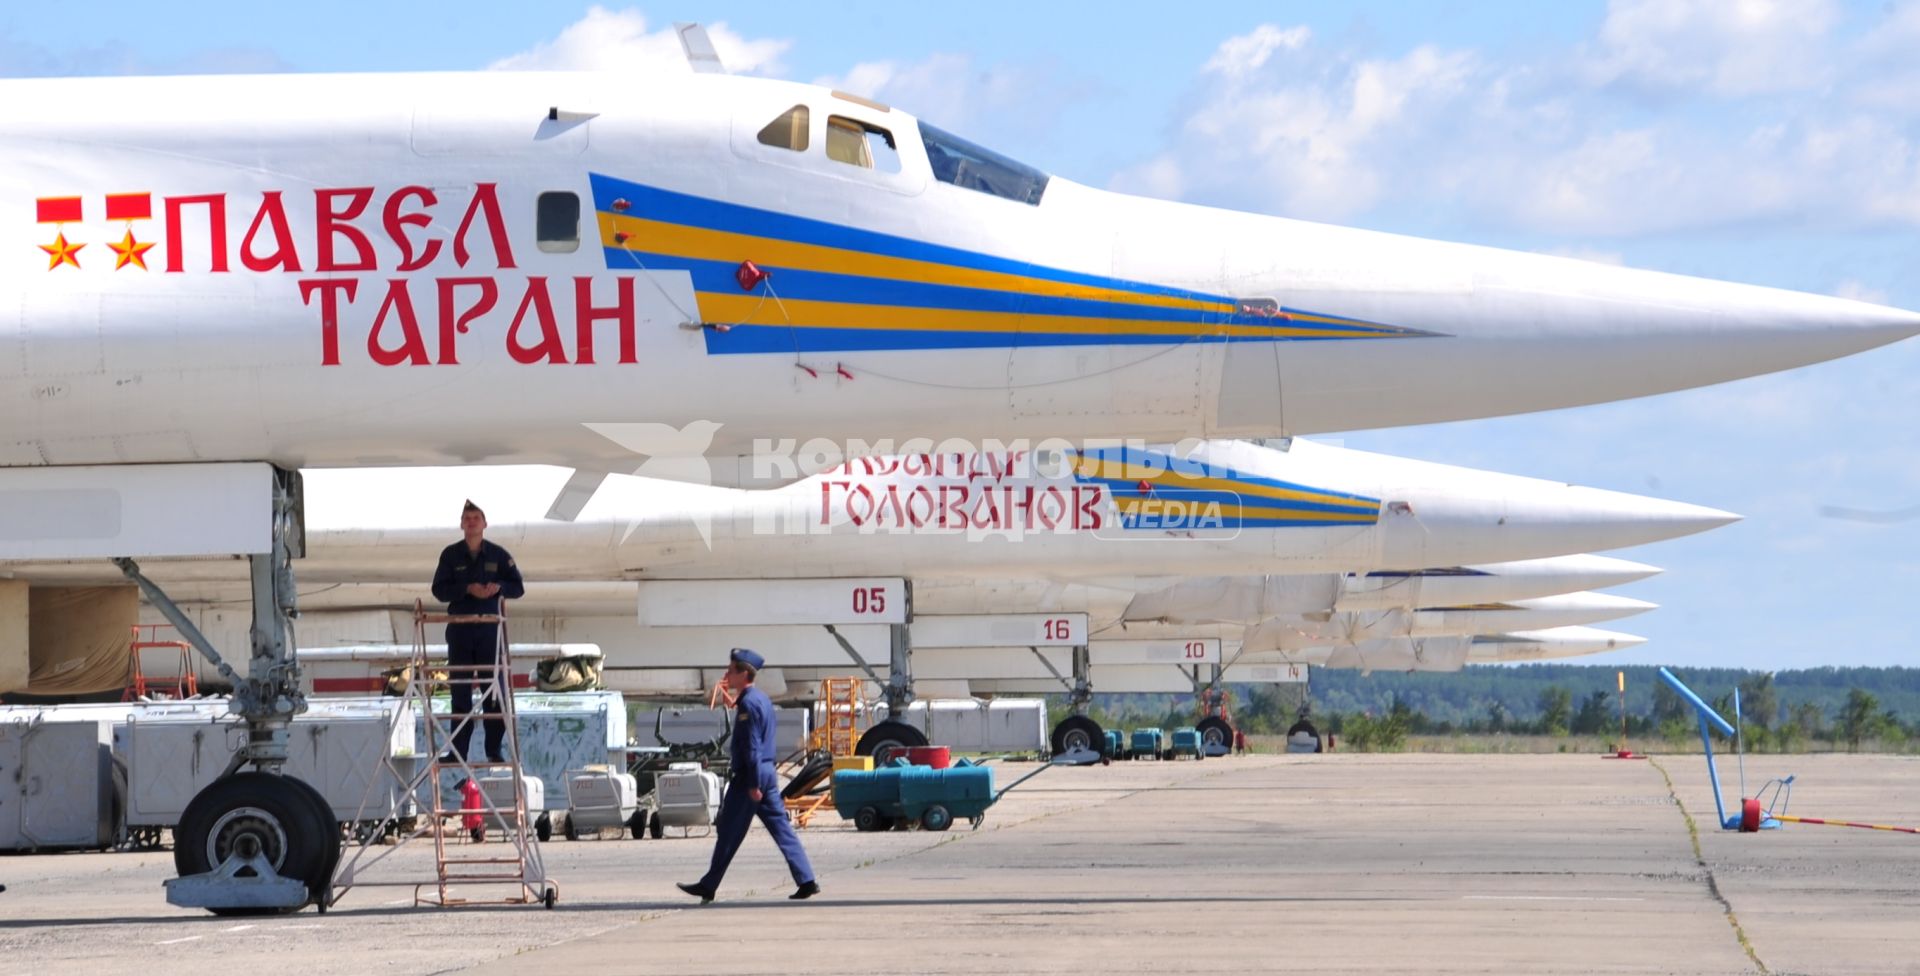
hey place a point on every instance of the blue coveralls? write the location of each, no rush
(753, 759)
(475, 645)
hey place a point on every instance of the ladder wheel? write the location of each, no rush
(551, 898)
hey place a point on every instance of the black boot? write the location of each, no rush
(696, 889)
(805, 891)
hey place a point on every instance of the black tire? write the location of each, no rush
(551, 898)
(323, 895)
(869, 820)
(655, 829)
(1077, 731)
(810, 775)
(543, 828)
(1166, 755)
(1215, 730)
(637, 824)
(573, 829)
(277, 813)
(478, 834)
(884, 739)
(1303, 725)
(936, 818)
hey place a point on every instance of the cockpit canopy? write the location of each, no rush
(953, 159)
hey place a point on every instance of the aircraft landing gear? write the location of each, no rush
(256, 843)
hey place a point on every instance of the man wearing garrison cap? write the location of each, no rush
(474, 575)
(753, 787)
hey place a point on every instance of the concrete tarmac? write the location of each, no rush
(1303, 864)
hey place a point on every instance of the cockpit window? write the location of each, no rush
(957, 161)
(789, 131)
(857, 143)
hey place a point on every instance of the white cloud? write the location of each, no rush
(1237, 56)
(1765, 113)
(1724, 47)
(1294, 141)
(618, 40)
(984, 102)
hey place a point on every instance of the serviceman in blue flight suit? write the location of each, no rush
(474, 575)
(753, 787)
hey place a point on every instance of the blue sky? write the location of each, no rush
(1768, 142)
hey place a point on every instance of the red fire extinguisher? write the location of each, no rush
(474, 824)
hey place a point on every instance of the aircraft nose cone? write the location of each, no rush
(1528, 519)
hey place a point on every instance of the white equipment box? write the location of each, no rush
(600, 796)
(973, 725)
(341, 748)
(687, 796)
(59, 786)
(496, 785)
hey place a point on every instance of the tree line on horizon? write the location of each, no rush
(1779, 711)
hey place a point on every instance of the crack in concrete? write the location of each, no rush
(1713, 884)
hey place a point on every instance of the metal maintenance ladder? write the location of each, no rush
(836, 733)
(459, 859)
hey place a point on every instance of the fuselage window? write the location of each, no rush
(557, 222)
(856, 143)
(962, 163)
(789, 131)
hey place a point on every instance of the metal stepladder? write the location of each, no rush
(518, 867)
(186, 681)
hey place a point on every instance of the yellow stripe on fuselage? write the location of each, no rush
(699, 243)
(1247, 512)
(742, 309)
(1160, 477)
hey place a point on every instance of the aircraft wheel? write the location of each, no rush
(655, 829)
(888, 738)
(572, 831)
(1215, 731)
(1077, 732)
(323, 892)
(543, 828)
(274, 816)
(637, 824)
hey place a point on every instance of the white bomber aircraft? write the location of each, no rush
(1216, 509)
(421, 269)
(408, 269)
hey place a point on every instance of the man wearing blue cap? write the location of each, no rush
(753, 787)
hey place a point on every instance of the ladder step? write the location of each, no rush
(468, 878)
(481, 860)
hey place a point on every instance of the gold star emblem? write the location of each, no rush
(61, 252)
(129, 251)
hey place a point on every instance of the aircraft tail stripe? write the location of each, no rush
(694, 211)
